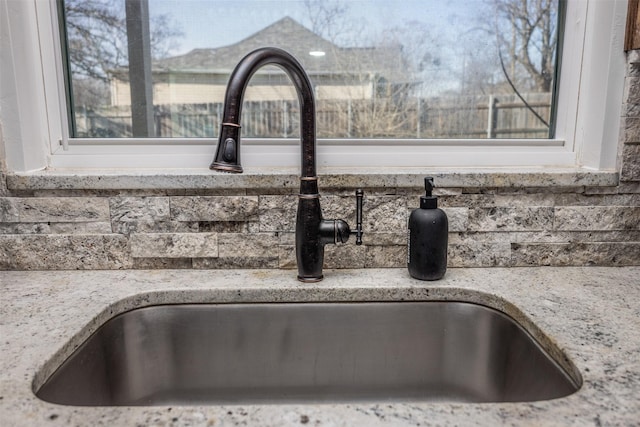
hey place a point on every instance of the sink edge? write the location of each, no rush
(301, 294)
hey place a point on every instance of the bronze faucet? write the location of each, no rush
(312, 231)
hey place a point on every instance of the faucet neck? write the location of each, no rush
(233, 106)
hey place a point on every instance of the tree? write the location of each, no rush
(330, 19)
(526, 36)
(424, 65)
(97, 44)
(391, 64)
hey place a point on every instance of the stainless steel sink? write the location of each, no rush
(297, 352)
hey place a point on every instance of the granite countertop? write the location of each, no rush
(590, 313)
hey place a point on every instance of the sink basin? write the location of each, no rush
(308, 352)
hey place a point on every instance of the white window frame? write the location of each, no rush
(33, 113)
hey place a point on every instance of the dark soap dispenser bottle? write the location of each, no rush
(428, 238)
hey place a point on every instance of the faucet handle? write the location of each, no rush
(358, 231)
(338, 231)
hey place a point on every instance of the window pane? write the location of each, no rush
(380, 68)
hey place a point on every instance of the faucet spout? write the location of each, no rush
(312, 231)
(228, 152)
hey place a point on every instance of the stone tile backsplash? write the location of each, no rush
(490, 227)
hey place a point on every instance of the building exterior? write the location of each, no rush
(338, 73)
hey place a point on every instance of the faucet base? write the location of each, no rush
(225, 167)
(312, 279)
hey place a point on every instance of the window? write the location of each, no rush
(415, 69)
(394, 85)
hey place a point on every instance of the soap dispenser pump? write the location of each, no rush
(428, 238)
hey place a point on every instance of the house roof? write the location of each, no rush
(296, 39)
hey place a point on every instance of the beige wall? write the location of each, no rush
(200, 90)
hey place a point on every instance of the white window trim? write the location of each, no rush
(34, 121)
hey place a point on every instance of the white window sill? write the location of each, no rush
(188, 154)
(329, 177)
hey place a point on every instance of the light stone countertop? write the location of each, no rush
(590, 313)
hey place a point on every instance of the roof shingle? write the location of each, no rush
(296, 39)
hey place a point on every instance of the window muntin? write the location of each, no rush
(381, 70)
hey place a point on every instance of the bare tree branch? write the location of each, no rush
(96, 37)
(515, 90)
(533, 30)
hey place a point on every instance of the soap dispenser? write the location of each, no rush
(427, 238)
